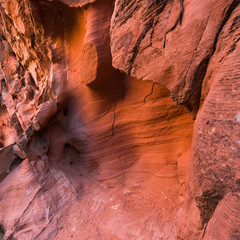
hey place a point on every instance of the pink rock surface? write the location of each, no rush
(97, 104)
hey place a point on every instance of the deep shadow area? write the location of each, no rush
(1, 233)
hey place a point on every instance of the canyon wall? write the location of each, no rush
(119, 119)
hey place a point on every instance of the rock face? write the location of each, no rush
(119, 119)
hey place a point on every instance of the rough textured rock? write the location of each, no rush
(217, 124)
(169, 42)
(97, 104)
(224, 223)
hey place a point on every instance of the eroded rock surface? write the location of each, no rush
(97, 104)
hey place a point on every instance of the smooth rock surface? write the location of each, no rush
(97, 104)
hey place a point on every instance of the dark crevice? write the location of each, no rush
(235, 24)
(151, 36)
(15, 122)
(114, 118)
(234, 4)
(205, 62)
(164, 43)
(65, 112)
(33, 82)
(3, 73)
(207, 204)
(14, 96)
(67, 145)
(204, 230)
(16, 162)
(152, 33)
(71, 147)
(137, 45)
(199, 75)
(182, 12)
(148, 26)
(178, 20)
(191, 99)
(33, 41)
(145, 98)
(171, 29)
(187, 100)
(1, 232)
(23, 84)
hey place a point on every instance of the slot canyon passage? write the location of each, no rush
(120, 119)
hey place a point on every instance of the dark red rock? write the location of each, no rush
(92, 145)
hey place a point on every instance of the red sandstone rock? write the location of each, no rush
(76, 3)
(89, 152)
(168, 42)
(45, 112)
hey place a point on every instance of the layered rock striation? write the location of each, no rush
(119, 119)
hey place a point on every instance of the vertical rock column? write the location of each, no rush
(96, 63)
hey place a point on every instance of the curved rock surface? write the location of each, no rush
(119, 119)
